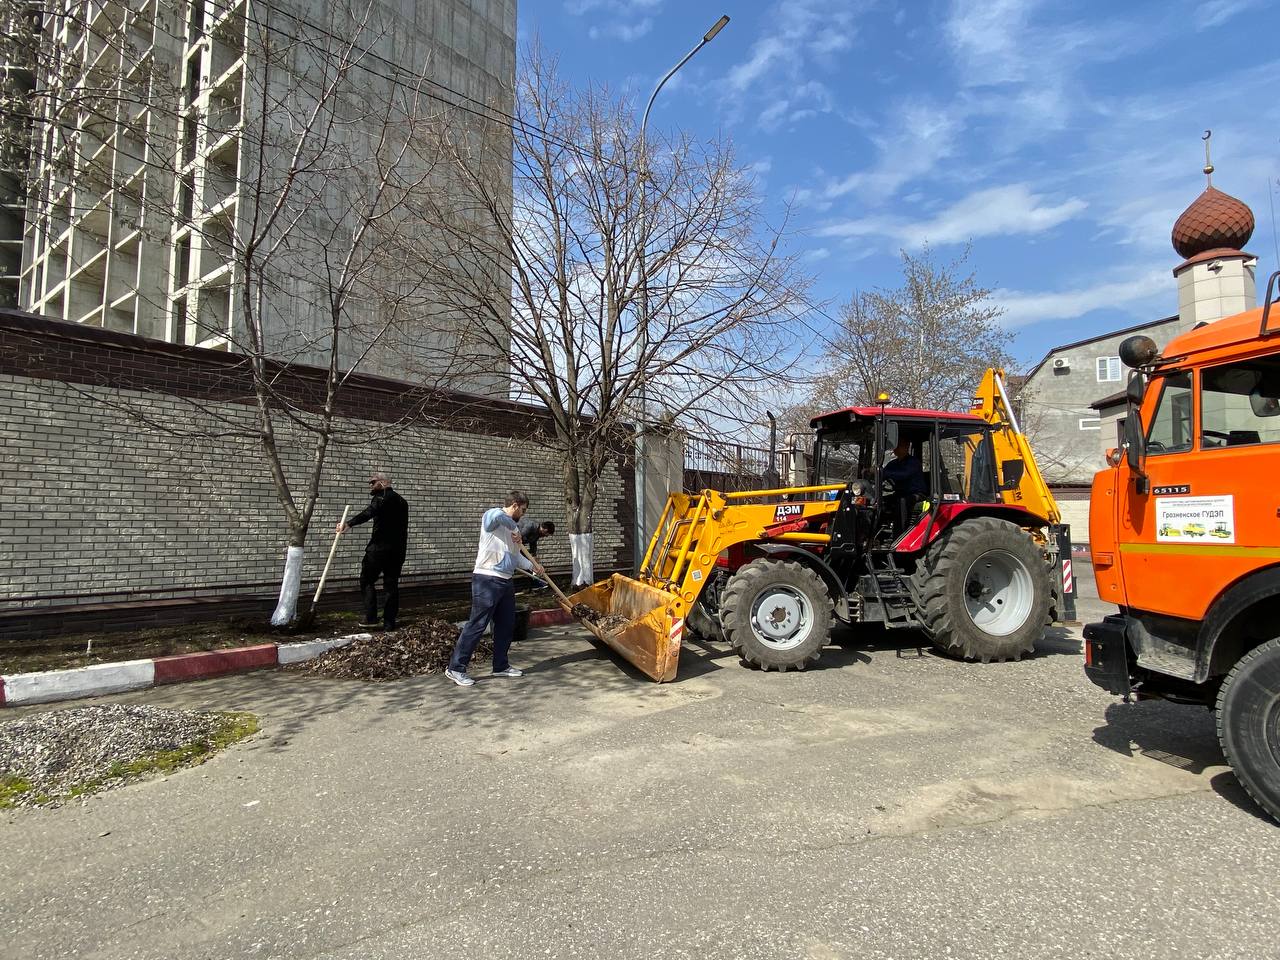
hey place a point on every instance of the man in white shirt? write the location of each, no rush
(493, 596)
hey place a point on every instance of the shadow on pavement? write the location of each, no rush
(1179, 735)
(1228, 787)
(1058, 641)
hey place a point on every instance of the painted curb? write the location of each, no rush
(549, 618)
(49, 686)
(214, 663)
(310, 649)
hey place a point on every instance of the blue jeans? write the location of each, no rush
(492, 598)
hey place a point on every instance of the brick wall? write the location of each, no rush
(113, 487)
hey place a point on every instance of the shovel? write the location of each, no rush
(564, 601)
(305, 621)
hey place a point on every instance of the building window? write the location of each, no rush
(1108, 369)
(1090, 423)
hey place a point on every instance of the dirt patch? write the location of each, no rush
(409, 652)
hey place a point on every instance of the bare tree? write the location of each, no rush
(701, 337)
(925, 343)
(286, 166)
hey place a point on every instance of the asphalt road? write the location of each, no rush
(882, 806)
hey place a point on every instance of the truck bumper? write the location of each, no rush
(1106, 654)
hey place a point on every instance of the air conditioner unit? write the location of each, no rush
(1062, 363)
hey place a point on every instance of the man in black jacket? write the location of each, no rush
(531, 531)
(384, 556)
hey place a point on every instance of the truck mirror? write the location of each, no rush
(1138, 351)
(1263, 406)
(1135, 389)
(1133, 442)
(1011, 474)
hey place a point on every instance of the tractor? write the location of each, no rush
(954, 534)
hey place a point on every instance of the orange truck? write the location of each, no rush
(1185, 533)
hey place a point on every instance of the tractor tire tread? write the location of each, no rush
(933, 577)
(748, 579)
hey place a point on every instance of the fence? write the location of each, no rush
(722, 465)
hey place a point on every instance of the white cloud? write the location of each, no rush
(1147, 286)
(1012, 210)
(1214, 13)
(922, 135)
(800, 36)
(579, 7)
(624, 20)
(626, 32)
(988, 38)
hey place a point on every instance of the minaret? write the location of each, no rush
(1216, 276)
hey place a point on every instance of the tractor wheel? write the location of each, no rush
(985, 591)
(1249, 723)
(704, 622)
(776, 614)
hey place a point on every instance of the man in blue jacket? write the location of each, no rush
(493, 596)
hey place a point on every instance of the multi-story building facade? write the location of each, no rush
(167, 132)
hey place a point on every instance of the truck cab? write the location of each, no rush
(1185, 535)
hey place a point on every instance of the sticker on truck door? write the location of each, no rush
(1195, 520)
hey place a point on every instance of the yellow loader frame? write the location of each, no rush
(696, 528)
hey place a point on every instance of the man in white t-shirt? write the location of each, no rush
(493, 596)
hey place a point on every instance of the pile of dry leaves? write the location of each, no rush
(411, 651)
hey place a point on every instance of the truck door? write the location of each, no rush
(1213, 452)
(1151, 571)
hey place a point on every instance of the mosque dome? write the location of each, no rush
(1215, 220)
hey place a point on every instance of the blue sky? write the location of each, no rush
(1061, 139)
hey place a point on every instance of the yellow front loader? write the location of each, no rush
(962, 545)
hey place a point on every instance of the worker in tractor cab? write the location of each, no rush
(906, 475)
(905, 471)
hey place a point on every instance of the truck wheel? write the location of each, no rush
(1249, 723)
(776, 614)
(984, 589)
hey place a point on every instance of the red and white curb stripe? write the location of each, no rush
(50, 686)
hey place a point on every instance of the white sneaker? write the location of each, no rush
(509, 672)
(461, 679)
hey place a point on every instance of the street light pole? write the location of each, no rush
(640, 538)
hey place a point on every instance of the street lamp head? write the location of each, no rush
(716, 28)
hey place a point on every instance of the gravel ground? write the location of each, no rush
(49, 758)
(413, 651)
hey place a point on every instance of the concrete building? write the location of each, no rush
(1073, 404)
(1058, 396)
(165, 134)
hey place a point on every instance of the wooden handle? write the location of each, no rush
(551, 583)
(564, 601)
(332, 550)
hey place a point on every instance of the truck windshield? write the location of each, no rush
(1240, 403)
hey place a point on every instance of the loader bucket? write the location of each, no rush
(651, 639)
